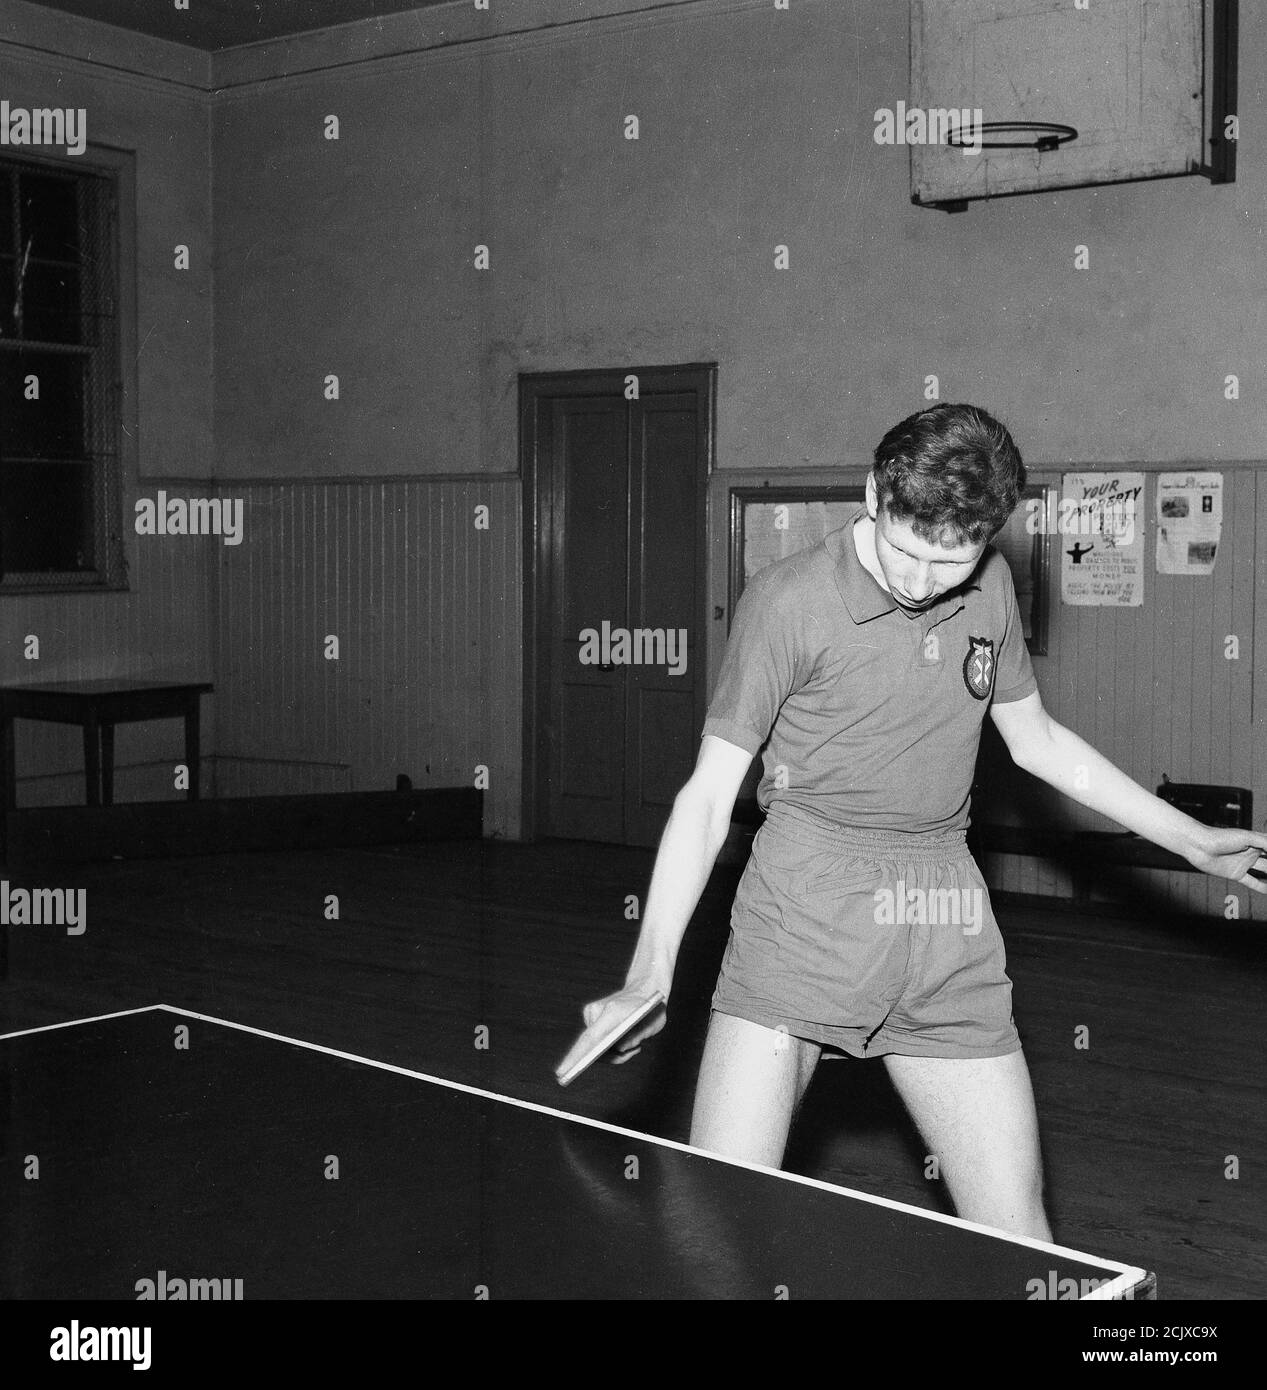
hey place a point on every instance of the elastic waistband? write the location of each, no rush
(805, 828)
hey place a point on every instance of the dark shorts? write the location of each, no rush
(867, 942)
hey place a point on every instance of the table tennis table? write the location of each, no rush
(181, 1155)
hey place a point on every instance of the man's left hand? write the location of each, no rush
(1233, 854)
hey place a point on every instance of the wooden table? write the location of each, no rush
(97, 706)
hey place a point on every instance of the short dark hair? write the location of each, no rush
(950, 471)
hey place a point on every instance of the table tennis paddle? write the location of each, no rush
(601, 1037)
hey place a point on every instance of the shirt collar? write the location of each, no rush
(862, 594)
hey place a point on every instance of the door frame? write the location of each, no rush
(536, 388)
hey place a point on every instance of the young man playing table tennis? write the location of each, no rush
(865, 667)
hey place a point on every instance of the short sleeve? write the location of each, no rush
(1014, 675)
(759, 669)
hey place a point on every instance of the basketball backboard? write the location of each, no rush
(1122, 90)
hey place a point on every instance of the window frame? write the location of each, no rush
(1040, 559)
(119, 167)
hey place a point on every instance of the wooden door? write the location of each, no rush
(615, 597)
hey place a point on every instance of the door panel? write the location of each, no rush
(592, 559)
(664, 446)
(664, 596)
(587, 785)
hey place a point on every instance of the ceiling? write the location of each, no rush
(214, 24)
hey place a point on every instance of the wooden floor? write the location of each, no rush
(433, 941)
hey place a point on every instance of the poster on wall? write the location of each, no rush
(1189, 522)
(1101, 539)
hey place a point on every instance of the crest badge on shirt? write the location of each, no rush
(978, 667)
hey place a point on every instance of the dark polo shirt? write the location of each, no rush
(873, 714)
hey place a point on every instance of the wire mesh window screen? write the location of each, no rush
(59, 379)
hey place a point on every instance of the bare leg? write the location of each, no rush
(750, 1082)
(977, 1116)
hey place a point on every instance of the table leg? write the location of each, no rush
(8, 802)
(107, 764)
(193, 744)
(92, 760)
(8, 765)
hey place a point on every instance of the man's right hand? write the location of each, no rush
(630, 1045)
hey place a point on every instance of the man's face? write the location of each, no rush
(917, 572)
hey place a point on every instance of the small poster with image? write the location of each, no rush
(1189, 522)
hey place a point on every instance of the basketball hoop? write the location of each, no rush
(1045, 135)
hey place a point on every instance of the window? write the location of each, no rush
(59, 378)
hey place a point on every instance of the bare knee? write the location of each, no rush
(1004, 1197)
